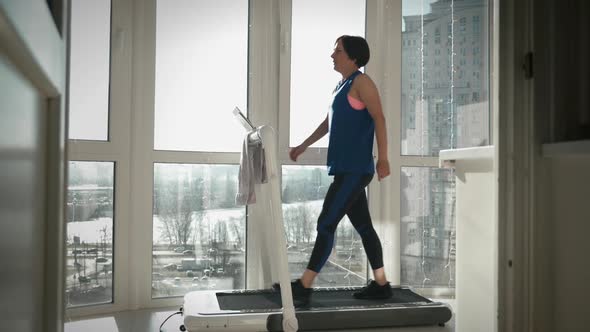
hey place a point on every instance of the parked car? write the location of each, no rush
(83, 279)
(188, 264)
(178, 249)
(188, 252)
(101, 260)
(170, 267)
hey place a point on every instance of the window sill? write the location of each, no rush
(447, 158)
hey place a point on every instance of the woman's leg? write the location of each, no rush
(308, 277)
(361, 220)
(340, 196)
(379, 275)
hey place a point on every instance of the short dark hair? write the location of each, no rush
(357, 49)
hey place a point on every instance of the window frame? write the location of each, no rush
(433, 161)
(144, 155)
(131, 135)
(115, 149)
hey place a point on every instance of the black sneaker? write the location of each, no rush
(373, 291)
(301, 294)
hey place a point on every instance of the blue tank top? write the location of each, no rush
(350, 147)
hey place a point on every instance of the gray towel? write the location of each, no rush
(252, 171)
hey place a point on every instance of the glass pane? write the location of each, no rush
(445, 80)
(427, 227)
(89, 74)
(315, 27)
(89, 261)
(303, 191)
(201, 74)
(198, 230)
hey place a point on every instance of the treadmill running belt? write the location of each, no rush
(320, 298)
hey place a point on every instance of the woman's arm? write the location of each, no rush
(369, 95)
(320, 132)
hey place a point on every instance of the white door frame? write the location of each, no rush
(36, 49)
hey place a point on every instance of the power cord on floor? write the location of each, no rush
(182, 328)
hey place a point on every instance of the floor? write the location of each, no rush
(150, 321)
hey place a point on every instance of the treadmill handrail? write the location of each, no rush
(267, 136)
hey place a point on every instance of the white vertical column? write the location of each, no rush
(263, 96)
(384, 38)
(477, 238)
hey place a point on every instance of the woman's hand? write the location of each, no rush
(382, 169)
(296, 151)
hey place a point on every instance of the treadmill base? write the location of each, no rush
(331, 308)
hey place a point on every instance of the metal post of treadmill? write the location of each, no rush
(268, 137)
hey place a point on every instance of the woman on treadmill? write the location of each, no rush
(354, 118)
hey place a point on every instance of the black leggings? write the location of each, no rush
(346, 195)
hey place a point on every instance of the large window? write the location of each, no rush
(428, 227)
(201, 74)
(156, 111)
(89, 72)
(444, 105)
(445, 88)
(89, 258)
(199, 232)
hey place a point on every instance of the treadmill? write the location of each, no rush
(329, 308)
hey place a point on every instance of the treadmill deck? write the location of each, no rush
(321, 298)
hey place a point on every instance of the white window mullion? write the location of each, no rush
(141, 175)
(263, 61)
(285, 13)
(97, 148)
(191, 157)
(384, 37)
(121, 235)
(263, 102)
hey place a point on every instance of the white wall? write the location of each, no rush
(560, 272)
(570, 229)
(22, 205)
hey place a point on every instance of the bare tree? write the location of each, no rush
(177, 202)
(299, 222)
(307, 221)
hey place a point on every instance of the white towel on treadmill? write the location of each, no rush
(252, 171)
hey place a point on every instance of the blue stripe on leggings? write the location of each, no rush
(350, 183)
